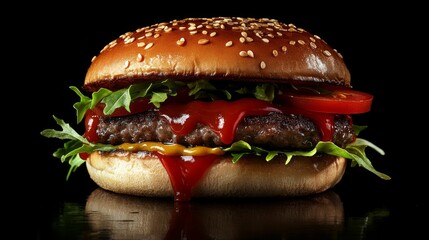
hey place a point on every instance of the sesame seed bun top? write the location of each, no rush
(245, 49)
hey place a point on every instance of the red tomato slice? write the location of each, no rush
(337, 101)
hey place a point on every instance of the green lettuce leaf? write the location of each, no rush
(354, 151)
(70, 152)
(117, 99)
(157, 92)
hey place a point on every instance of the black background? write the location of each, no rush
(382, 47)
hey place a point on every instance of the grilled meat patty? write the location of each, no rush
(275, 131)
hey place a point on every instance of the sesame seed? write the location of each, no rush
(111, 45)
(263, 65)
(275, 53)
(250, 53)
(129, 40)
(203, 41)
(126, 64)
(125, 35)
(265, 40)
(301, 42)
(284, 48)
(193, 32)
(181, 41)
(292, 42)
(228, 44)
(212, 34)
(93, 58)
(149, 45)
(242, 39)
(327, 53)
(139, 57)
(249, 39)
(244, 34)
(243, 53)
(204, 32)
(313, 45)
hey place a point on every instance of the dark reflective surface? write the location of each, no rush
(107, 215)
(100, 214)
(120, 217)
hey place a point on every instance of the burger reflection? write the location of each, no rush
(116, 216)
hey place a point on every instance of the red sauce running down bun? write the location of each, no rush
(217, 107)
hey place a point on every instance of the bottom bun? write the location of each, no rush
(143, 174)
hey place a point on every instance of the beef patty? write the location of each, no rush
(273, 131)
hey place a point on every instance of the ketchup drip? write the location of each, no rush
(91, 123)
(185, 172)
(221, 116)
(325, 123)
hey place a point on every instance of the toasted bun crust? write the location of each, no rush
(143, 174)
(245, 49)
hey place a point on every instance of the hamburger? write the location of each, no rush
(217, 107)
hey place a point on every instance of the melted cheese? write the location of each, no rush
(171, 149)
